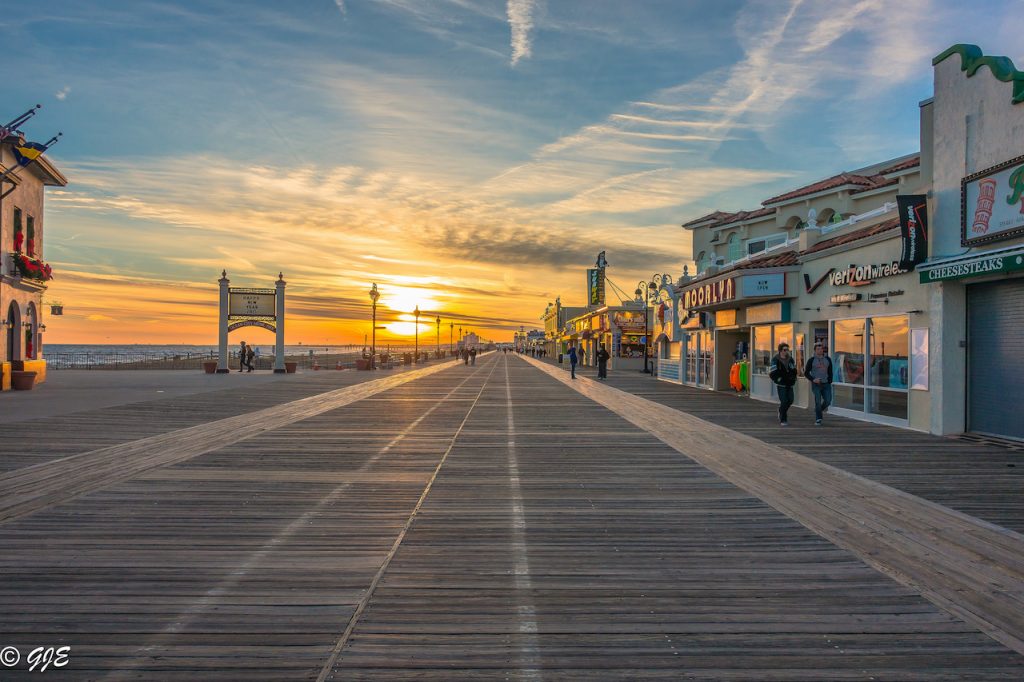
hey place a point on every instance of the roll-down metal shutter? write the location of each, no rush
(995, 324)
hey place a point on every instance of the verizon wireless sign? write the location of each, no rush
(859, 275)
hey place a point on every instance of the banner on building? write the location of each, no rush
(595, 286)
(913, 210)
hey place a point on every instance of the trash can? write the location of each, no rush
(406, 358)
(559, 358)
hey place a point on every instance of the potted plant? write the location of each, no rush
(22, 381)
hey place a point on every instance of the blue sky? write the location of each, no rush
(477, 153)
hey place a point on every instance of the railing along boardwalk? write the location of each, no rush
(556, 540)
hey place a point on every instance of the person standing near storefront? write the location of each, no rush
(819, 372)
(602, 362)
(573, 359)
(783, 374)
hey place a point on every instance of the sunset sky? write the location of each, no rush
(471, 156)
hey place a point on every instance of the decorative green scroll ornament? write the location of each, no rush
(1017, 185)
(972, 59)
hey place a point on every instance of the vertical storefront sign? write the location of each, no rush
(913, 210)
(595, 286)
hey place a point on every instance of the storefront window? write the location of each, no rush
(784, 334)
(880, 361)
(762, 356)
(691, 358)
(889, 350)
(848, 352)
(888, 403)
(632, 347)
(707, 354)
(848, 397)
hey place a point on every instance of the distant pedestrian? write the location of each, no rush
(818, 371)
(583, 355)
(243, 356)
(472, 356)
(249, 354)
(465, 356)
(783, 374)
(573, 359)
(602, 362)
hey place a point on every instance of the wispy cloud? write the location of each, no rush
(62, 94)
(341, 6)
(520, 21)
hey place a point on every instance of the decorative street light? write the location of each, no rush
(438, 320)
(374, 295)
(416, 357)
(451, 337)
(643, 295)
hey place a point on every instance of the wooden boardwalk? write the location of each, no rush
(481, 522)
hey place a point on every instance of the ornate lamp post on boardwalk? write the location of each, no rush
(438, 320)
(451, 337)
(645, 289)
(416, 356)
(374, 295)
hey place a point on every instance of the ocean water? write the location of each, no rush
(184, 351)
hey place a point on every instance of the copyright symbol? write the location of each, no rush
(9, 656)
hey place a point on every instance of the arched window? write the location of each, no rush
(31, 328)
(13, 327)
(735, 247)
(701, 263)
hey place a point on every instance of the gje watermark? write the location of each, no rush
(38, 659)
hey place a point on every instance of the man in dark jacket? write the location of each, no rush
(818, 371)
(573, 359)
(783, 373)
(602, 362)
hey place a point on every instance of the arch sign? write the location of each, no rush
(246, 307)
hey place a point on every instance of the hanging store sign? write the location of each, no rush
(861, 275)
(710, 294)
(992, 203)
(977, 267)
(763, 285)
(777, 311)
(629, 322)
(913, 210)
(725, 318)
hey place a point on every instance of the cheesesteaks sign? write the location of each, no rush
(710, 294)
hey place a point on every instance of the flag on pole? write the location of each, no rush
(28, 152)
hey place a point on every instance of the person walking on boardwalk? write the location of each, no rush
(243, 357)
(573, 359)
(602, 362)
(783, 373)
(465, 356)
(818, 371)
(583, 355)
(472, 356)
(249, 355)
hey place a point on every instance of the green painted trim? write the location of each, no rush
(972, 59)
